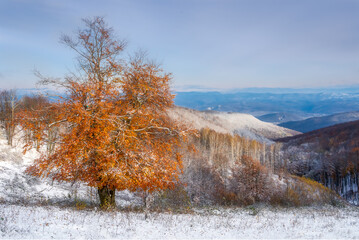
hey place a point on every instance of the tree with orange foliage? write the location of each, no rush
(116, 132)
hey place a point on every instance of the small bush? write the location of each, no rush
(226, 197)
(250, 182)
(80, 205)
(175, 199)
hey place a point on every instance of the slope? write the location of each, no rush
(242, 124)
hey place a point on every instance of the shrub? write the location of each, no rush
(175, 199)
(301, 191)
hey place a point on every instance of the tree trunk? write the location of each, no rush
(145, 202)
(107, 198)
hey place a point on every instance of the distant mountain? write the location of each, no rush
(329, 155)
(242, 124)
(314, 123)
(340, 133)
(260, 103)
(304, 103)
(277, 118)
(334, 89)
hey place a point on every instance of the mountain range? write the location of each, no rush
(305, 103)
(314, 123)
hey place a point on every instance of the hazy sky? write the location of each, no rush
(210, 43)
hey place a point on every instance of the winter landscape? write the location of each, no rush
(244, 124)
(35, 209)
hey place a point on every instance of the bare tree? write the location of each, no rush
(9, 103)
(37, 113)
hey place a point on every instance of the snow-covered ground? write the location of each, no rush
(18, 222)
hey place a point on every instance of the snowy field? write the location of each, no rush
(18, 222)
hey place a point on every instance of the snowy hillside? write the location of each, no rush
(242, 124)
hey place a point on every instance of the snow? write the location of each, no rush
(242, 124)
(38, 222)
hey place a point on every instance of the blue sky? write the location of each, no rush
(208, 43)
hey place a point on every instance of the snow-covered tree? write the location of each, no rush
(115, 133)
